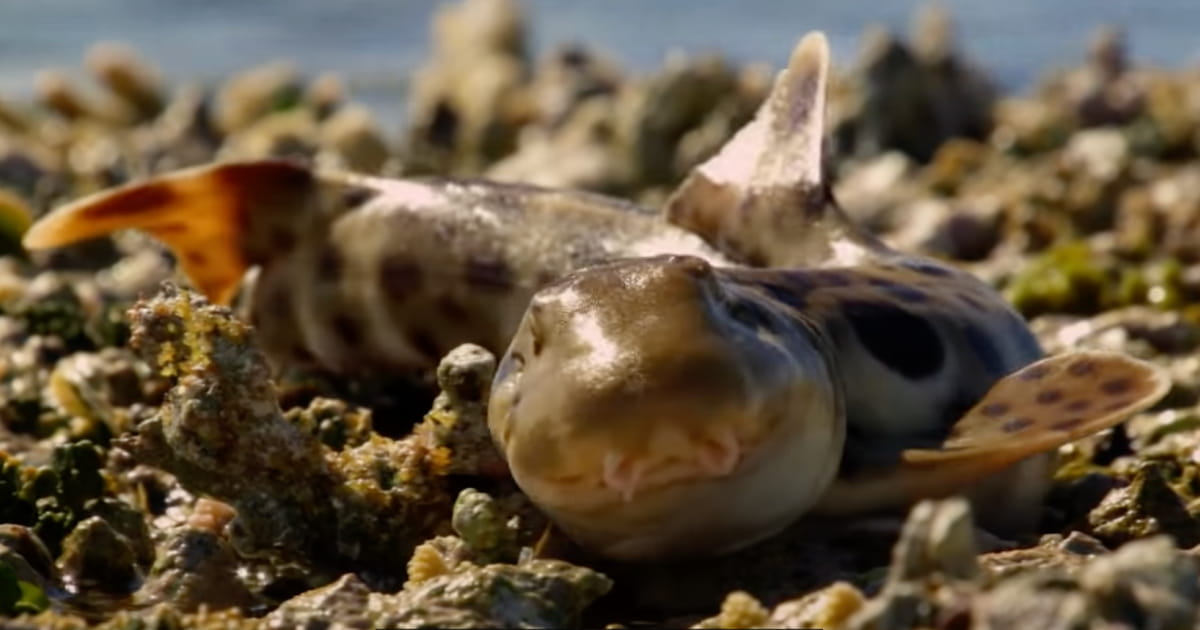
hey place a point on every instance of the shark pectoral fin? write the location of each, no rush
(1034, 410)
(773, 160)
(1050, 403)
(201, 214)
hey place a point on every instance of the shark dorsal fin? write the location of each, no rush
(764, 197)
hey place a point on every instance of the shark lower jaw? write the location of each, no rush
(712, 498)
(617, 478)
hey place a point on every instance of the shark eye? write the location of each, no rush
(514, 362)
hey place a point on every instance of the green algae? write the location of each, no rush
(1071, 278)
(52, 499)
(18, 596)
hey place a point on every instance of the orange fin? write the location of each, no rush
(1034, 410)
(201, 213)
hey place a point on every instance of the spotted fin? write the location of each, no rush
(1034, 410)
(202, 214)
(763, 198)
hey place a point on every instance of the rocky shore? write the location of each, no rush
(155, 473)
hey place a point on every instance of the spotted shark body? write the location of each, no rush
(667, 387)
(364, 273)
(666, 406)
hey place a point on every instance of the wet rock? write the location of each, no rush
(95, 387)
(129, 523)
(184, 135)
(739, 610)
(252, 94)
(654, 114)
(1147, 506)
(965, 232)
(22, 541)
(913, 96)
(536, 594)
(51, 498)
(351, 140)
(325, 94)
(221, 433)
(291, 134)
(340, 604)
(1053, 551)
(568, 76)
(1146, 583)
(96, 557)
(468, 101)
(55, 93)
(118, 67)
(456, 425)
(1104, 91)
(336, 423)
(197, 566)
(578, 153)
(484, 528)
(933, 570)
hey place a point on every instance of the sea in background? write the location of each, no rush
(375, 44)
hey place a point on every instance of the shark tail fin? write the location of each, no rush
(203, 214)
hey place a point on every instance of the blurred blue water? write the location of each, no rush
(376, 43)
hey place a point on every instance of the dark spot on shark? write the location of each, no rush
(452, 310)
(897, 338)
(1016, 424)
(1117, 386)
(348, 330)
(425, 343)
(489, 274)
(1049, 396)
(1082, 367)
(399, 277)
(329, 265)
(281, 240)
(995, 410)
